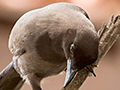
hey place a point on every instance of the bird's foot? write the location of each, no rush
(90, 69)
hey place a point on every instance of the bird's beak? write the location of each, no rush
(69, 74)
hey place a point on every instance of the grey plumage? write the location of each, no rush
(41, 39)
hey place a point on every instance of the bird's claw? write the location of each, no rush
(90, 69)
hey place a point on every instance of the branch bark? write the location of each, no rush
(108, 35)
(11, 80)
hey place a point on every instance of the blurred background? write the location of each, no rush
(99, 11)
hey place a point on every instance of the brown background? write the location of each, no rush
(108, 73)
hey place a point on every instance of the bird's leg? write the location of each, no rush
(34, 81)
(90, 69)
(95, 65)
(34, 86)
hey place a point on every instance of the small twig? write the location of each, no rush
(102, 31)
(110, 21)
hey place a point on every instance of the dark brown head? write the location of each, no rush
(85, 50)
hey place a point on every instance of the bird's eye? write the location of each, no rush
(72, 47)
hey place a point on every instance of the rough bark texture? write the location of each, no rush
(10, 79)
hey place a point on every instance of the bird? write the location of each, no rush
(47, 40)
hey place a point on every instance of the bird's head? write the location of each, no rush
(83, 52)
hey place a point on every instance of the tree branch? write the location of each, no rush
(107, 37)
(10, 79)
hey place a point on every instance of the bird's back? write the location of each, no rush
(53, 20)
